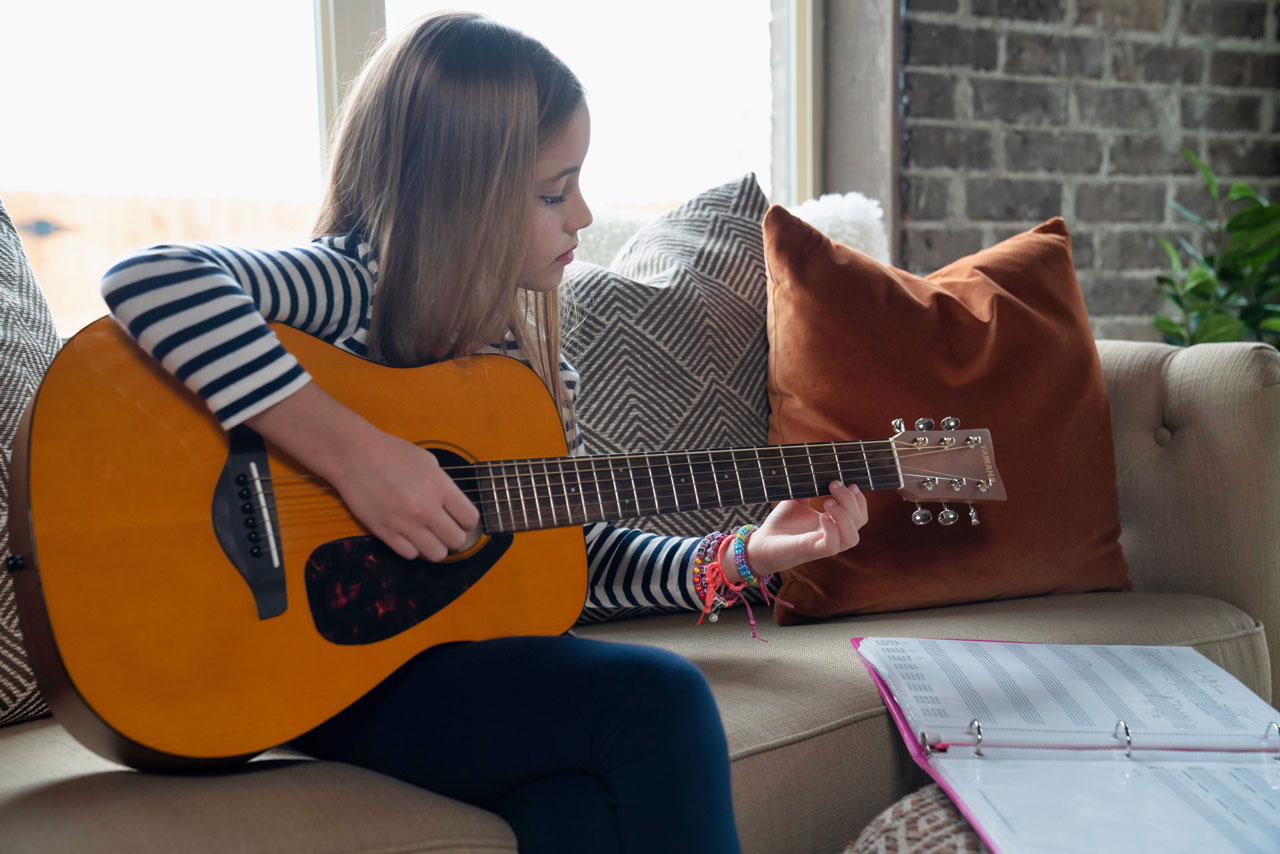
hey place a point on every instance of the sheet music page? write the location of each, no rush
(1102, 802)
(1069, 695)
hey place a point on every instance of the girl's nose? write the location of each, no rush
(583, 218)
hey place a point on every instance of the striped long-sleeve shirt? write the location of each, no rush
(201, 310)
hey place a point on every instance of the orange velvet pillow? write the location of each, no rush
(999, 339)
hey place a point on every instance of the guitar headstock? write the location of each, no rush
(945, 466)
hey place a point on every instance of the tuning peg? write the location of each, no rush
(899, 426)
(973, 515)
(958, 483)
(921, 516)
(950, 423)
(924, 423)
(947, 516)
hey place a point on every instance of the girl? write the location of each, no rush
(452, 208)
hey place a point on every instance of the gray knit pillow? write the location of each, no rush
(670, 341)
(28, 342)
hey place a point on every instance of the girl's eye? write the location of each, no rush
(552, 201)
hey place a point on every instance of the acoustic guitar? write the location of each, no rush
(191, 596)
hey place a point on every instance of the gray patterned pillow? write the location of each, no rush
(28, 342)
(670, 341)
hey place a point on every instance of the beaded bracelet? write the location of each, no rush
(740, 555)
(702, 557)
(709, 579)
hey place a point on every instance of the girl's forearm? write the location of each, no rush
(313, 428)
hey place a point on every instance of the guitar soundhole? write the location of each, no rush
(360, 591)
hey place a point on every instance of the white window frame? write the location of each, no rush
(347, 31)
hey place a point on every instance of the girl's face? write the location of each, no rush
(559, 208)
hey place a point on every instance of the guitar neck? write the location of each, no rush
(523, 495)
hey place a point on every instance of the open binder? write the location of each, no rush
(1069, 748)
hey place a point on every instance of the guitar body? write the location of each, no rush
(158, 644)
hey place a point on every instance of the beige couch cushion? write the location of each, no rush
(1201, 424)
(815, 755)
(55, 796)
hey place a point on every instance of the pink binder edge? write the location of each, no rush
(918, 752)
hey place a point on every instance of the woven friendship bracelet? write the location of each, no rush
(740, 554)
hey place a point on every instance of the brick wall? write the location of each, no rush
(1019, 110)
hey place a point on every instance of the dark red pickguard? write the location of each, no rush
(360, 591)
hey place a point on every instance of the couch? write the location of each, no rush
(814, 754)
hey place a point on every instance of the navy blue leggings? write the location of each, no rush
(580, 745)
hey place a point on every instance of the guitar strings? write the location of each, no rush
(560, 483)
(319, 507)
(538, 482)
(880, 464)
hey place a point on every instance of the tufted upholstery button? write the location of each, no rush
(1163, 436)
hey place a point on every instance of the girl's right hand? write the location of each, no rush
(397, 490)
(402, 495)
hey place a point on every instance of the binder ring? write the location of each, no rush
(1128, 739)
(975, 726)
(1266, 734)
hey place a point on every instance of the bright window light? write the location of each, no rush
(680, 91)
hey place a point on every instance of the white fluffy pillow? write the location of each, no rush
(850, 218)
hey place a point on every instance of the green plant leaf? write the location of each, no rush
(1187, 213)
(1218, 327)
(1174, 260)
(1271, 324)
(1244, 191)
(1209, 180)
(1201, 282)
(1254, 216)
(1171, 327)
(1260, 239)
(1192, 251)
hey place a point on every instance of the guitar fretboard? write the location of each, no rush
(523, 495)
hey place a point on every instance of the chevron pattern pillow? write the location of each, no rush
(670, 341)
(28, 342)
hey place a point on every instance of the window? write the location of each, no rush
(680, 92)
(142, 121)
(146, 121)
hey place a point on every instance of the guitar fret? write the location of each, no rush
(775, 493)
(524, 510)
(616, 497)
(764, 486)
(866, 461)
(550, 498)
(693, 481)
(720, 502)
(725, 472)
(674, 493)
(653, 485)
(577, 471)
(497, 504)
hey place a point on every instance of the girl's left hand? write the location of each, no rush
(794, 533)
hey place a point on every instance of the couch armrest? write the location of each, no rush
(1197, 440)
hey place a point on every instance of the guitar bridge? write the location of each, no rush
(244, 521)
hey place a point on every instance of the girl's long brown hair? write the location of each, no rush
(433, 164)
